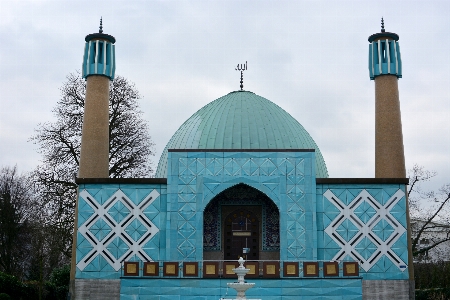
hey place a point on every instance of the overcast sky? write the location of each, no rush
(309, 57)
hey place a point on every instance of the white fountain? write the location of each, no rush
(240, 286)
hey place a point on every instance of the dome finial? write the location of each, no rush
(382, 25)
(100, 30)
(242, 68)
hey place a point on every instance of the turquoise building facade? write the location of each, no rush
(303, 216)
(242, 178)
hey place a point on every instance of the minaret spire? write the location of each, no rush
(242, 68)
(100, 30)
(382, 25)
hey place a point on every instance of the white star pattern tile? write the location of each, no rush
(371, 235)
(118, 229)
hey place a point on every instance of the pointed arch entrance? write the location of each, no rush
(257, 208)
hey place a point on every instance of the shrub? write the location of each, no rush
(432, 294)
(432, 280)
(58, 286)
(10, 286)
(432, 275)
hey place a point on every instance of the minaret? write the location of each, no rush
(385, 67)
(98, 69)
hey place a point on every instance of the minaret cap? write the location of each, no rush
(100, 35)
(383, 34)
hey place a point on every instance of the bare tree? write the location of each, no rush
(16, 215)
(130, 147)
(430, 214)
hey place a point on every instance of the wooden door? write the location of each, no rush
(241, 236)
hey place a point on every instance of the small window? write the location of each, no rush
(100, 53)
(383, 52)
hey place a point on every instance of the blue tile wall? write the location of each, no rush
(159, 222)
(287, 178)
(365, 223)
(267, 289)
(118, 222)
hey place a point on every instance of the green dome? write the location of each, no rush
(241, 120)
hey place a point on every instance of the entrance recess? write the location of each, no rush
(241, 235)
(263, 237)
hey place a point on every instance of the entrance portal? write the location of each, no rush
(241, 236)
(260, 230)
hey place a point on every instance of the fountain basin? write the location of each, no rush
(240, 286)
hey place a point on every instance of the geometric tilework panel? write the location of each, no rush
(367, 225)
(116, 223)
(286, 178)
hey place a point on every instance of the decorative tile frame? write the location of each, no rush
(310, 269)
(351, 268)
(210, 269)
(227, 269)
(331, 268)
(271, 269)
(131, 268)
(170, 269)
(190, 269)
(151, 268)
(290, 269)
(254, 269)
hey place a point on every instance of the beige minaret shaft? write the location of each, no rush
(94, 156)
(385, 68)
(389, 153)
(98, 69)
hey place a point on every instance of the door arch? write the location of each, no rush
(241, 197)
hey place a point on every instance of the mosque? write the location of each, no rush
(242, 178)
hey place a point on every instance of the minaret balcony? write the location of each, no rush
(99, 59)
(384, 58)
